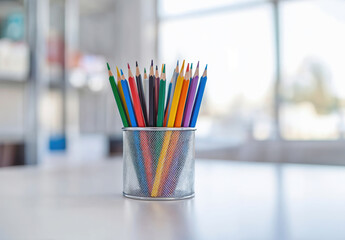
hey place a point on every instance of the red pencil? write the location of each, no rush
(136, 100)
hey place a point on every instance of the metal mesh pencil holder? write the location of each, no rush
(158, 163)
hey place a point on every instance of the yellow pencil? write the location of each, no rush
(176, 98)
(119, 85)
(161, 159)
(167, 137)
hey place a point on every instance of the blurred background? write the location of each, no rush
(276, 75)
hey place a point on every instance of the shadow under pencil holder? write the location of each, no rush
(158, 163)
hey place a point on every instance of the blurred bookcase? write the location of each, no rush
(14, 75)
(33, 43)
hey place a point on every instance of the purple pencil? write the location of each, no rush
(190, 98)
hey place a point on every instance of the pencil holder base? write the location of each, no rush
(158, 198)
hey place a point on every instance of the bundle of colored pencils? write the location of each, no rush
(144, 103)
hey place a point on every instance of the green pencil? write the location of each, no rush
(161, 100)
(117, 97)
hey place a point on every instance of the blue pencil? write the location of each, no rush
(198, 99)
(140, 164)
(139, 159)
(128, 99)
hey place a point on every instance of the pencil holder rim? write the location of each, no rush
(158, 129)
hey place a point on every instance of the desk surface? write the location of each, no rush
(233, 201)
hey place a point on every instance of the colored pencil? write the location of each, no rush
(138, 160)
(175, 143)
(128, 100)
(141, 92)
(198, 98)
(151, 97)
(145, 145)
(117, 98)
(191, 71)
(190, 98)
(168, 98)
(119, 85)
(176, 97)
(144, 138)
(161, 100)
(156, 92)
(136, 100)
(190, 80)
(146, 94)
(182, 101)
(144, 160)
(139, 151)
(160, 165)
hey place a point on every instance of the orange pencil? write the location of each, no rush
(176, 98)
(183, 97)
(135, 97)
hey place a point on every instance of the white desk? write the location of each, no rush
(233, 201)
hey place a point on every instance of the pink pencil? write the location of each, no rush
(190, 98)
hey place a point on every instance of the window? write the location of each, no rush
(313, 73)
(238, 49)
(249, 46)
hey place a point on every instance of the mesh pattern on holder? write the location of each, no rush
(158, 163)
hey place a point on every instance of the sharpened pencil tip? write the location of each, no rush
(191, 66)
(177, 63)
(108, 66)
(128, 66)
(156, 67)
(206, 67)
(144, 70)
(182, 68)
(164, 68)
(136, 63)
(121, 72)
(151, 62)
(197, 65)
(187, 67)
